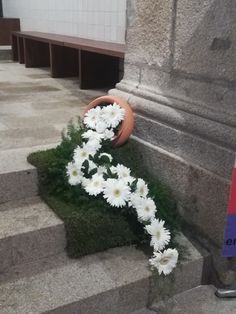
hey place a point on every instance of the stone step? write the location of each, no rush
(5, 53)
(190, 273)
(29, 230)
(112, 282)
(18, 179)
(199, 300)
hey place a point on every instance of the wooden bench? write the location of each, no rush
(96, 63)
(7, 26)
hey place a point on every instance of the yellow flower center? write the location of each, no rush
(117, 193)
(164, 261)
(158, 235)
(83, 154)
(75, 173)
(147, 209)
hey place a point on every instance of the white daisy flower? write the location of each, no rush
(113, 114)
(122, 171)
(108, 135)
(84, 182)
(165, 262)
(129, 179)
(116, 192)
(160, 235)
(135, 200)
(101, 127)
(142, 189)
(93, 145)
(94, 186)
(146, 209)
(90, 135)
(74, 174)
(113, 169)
(92, 117)
(82, 153)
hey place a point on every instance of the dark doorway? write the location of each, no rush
(1, 10)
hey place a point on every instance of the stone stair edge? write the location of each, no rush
(8, 160)
(116, 278)
(29, 232)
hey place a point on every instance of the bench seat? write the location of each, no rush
(98, 64)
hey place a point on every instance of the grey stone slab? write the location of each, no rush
(26, 218)
(187, 275)
(149, 33)
(202, 195)
(205, 41)
(78, 286)
(31, 232)
(13, 160)
(18, 179)
(3, 127)
(5, 254)
(28, 137)
(18, 185)
(170, 111)
(30, 108)
(119, 258)
(200, 300)
(194, 149)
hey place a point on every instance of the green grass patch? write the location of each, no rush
(92, 225)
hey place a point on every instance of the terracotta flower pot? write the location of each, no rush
(127, 124)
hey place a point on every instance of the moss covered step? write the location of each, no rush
(18, 179)
(29, 230)
(112, 282)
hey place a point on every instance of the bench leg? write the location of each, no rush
(64, 61)
(14, 46)
(36, 54)
(21, 54)
(97, 70)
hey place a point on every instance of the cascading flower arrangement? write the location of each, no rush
(93, 169)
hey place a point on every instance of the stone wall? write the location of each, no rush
(180, 77)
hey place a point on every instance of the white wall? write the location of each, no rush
(95, 19)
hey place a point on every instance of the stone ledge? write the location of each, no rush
(18, 179)
(201, 299)
(28, 232)
(163, 109)
(115, 282)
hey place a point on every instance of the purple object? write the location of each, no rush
(229, 249)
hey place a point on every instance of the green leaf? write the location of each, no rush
(93, 171)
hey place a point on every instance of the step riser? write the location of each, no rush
(5, 55)
(124, 300)
(31, 246)
(18, 185)
(186, 276)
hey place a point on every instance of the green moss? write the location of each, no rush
(91, 224)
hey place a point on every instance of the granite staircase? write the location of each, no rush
(36, 276)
